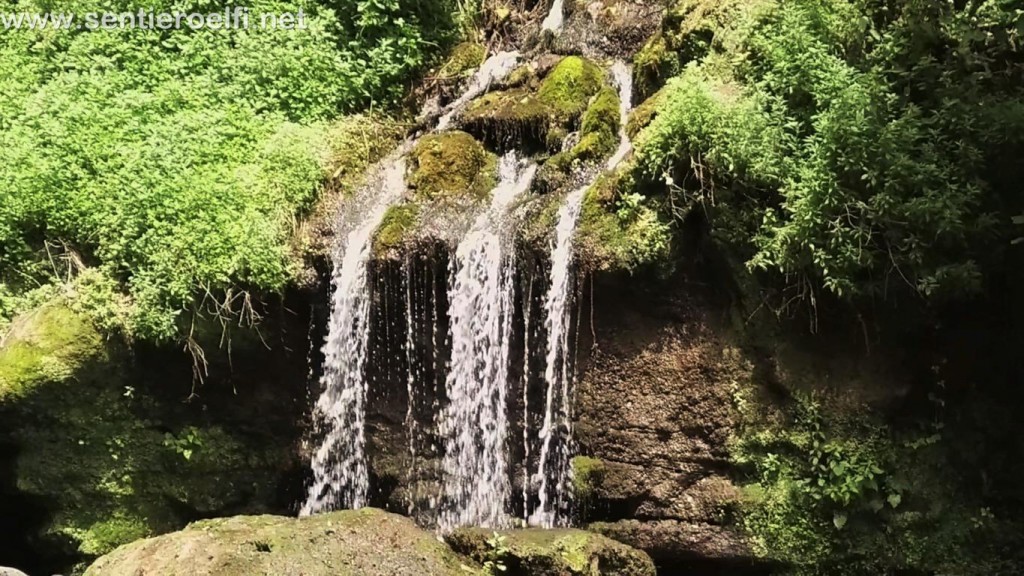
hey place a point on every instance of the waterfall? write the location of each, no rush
(340, 475)
(554, 470)
(622, 74)
(474, 424)
(492, 70)
(553, 21)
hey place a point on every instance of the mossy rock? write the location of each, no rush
(569, 86)
(464, 57)
(49, 344)
(564, 552)
(451, 165)
(92, 443)
(599, 131)
(515, 117)
(653, 65)
(364, 542)
(523, 116)
(399, 222)
(644, 114)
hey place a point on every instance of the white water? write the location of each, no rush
(622, 75)
(554, 470)
(340, 476)
(492, 70)
(474, 425)
(553, 473)
(553, 21)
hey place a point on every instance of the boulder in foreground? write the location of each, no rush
(365, 542)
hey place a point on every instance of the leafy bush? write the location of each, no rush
(857, 146)
(176, 161)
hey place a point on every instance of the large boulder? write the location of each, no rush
(538, 552)
(365, 542)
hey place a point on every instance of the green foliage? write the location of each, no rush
(832, 491)
(175, 162)
(111, 463)
(863, 148)
(497, 553)
(620, 229)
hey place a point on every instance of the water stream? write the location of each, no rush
(340, 476)
(474, 424)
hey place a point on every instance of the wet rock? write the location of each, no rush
(365, 542)
(537, 552)
(675, 541)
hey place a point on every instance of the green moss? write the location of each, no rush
(599, 131)
(524, 74)
(451, 165)
(569, 86)
(50, 343)
(464, 57)
(514, 117)
(559, 552)
(653, 65)
(619, 229)
(644, 114)
(93, 445)
(394, 229)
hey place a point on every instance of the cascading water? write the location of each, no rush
(622, 74)
(476, 482)
(554, 470)
(553, 21)
(340, 476)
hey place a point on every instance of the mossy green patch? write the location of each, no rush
(559, 552)
(399, 221)
(48, 344)
(599, 130)
(510, 117)
(451, 165)
(464, 57)
(644, 114)
(569, 86)
(620, 229)
(93, 444)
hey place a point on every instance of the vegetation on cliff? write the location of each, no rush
(176, 162)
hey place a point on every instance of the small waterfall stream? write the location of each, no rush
(340, 477)
(554, 470)
(475, 424)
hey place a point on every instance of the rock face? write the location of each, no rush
(365, 542)
(552, 553)
(654, 408)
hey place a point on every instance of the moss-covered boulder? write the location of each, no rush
(599, 129)
(569, 86)
(463, 58)
(565, 552)
(451, 165)
(523, 116)
(365, 542)
(398, 224)
(644, 114)
(104, 456)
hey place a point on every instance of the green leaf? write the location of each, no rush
(839, 519)
(894, 499)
